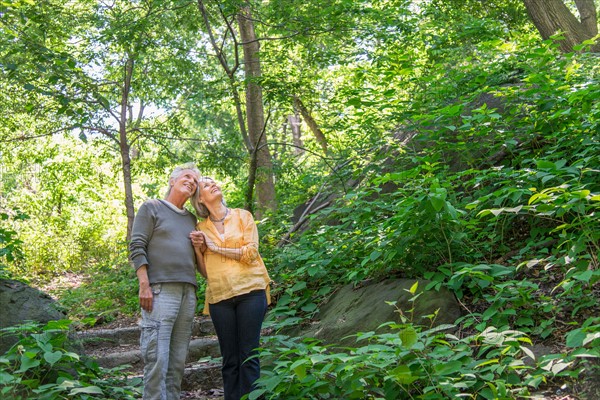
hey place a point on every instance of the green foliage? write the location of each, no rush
(404, 360)
(461, 150)
(409, 363)
(500, 205)
(68, 193)
(41, 366)
(10, 246)
(107, 292)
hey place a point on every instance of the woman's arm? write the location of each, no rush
(235, 254)
(247, 253)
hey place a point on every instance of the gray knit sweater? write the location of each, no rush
(160, 239)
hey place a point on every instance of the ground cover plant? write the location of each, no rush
(43, 366)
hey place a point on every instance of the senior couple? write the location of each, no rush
(167, 246)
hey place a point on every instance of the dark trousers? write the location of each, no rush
(238, 322)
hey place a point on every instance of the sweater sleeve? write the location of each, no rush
(143, 225)
(250, 238)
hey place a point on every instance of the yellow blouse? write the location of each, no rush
(226, 277)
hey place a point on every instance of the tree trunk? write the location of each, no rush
(312, 124)
(589, 15)
(265, 188)
(124, 147)
(294, 121)
(551, 16)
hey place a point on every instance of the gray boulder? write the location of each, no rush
(352, 310)
(20, 303)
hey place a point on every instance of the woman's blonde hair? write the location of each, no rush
(201, 210)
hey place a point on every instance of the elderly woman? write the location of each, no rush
(165, 264)
(237, 294)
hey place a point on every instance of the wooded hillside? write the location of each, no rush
(451, 141)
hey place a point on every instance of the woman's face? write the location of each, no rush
(209, 190)
(186, 183)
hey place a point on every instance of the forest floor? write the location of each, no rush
(583, 388)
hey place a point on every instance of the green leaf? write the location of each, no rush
(27, 363)
(6, 378)
(298, 286)
(437, 202)
(375, 255)
(355, 101)
(52, 357)
(543, 164)
(487, 362)
(414, 287)
(61, 324)
(87, 389)
(300, 371)
(584, 276)
(528, 352)
(309, 307)
(575, 338)
(403, 375)
(408, 337)
(448, 368)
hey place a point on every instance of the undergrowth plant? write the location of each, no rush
(499, 206)
(410, 362)
(11, 247)
(42, 366)
(107, 292)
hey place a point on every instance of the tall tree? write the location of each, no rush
(104, 66)
(262, 172)
(252, 127)
(552, 16)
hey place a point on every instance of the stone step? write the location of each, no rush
(203, 347)
(203, 376)
(126, 336)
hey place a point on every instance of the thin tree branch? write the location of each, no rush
(103, 131)
(316, 154)
(25, 138)
(303, 218)
(211, 36)
(236, 53)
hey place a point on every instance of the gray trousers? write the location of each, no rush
(165, 339)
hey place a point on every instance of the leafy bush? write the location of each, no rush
(408, 363)
(11, 248)
(41, 366)
(484, 198)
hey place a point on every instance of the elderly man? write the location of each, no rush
(165, 264)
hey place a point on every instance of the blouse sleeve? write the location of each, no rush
(250, 238)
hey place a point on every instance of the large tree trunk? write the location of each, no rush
(265, 188)
(552, 16)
